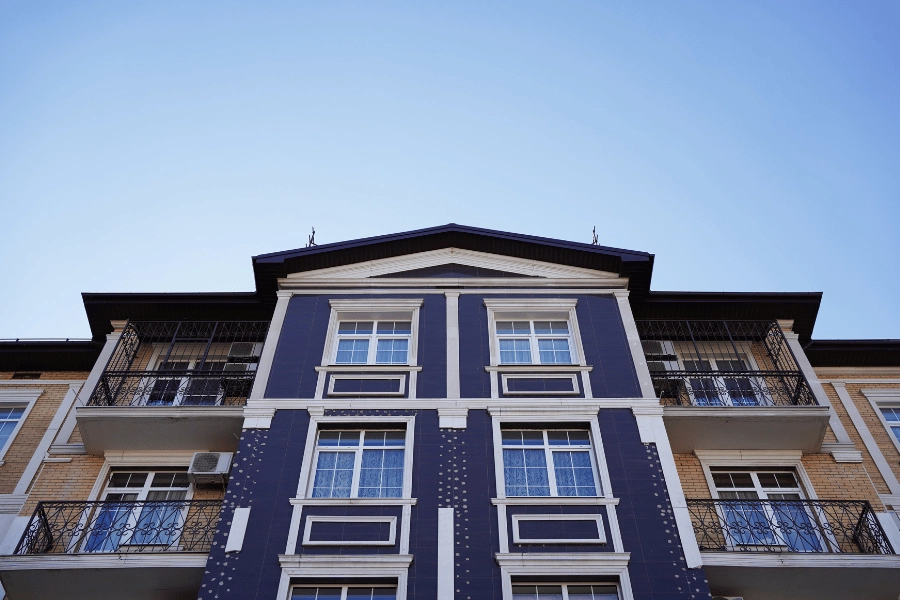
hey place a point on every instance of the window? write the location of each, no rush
(194, 367)
(9, 421)
(892, 418)
(527, 453)
(534, 342)
(373, 342)
(359, 464)
(344, 593)
(139, 508)
(570, 591)
(780, 520)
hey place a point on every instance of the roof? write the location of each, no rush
(854, 353)
(48, 355)
(636, 266)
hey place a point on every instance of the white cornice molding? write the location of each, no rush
(530, 304)
(610, 286)
(546, 405)
(329, 565)
(571, 563)
(375, 304)
(45, 562)
(429, 287)
(554, 501)
(153, 458)
(875, 394)
(747, 412)
(11, 504)
(470, 258)
(166, 412)
(757, 457)
(24, 395)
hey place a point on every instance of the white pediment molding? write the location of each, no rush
(434, 258)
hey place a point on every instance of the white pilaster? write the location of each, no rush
(634, 344)
(452, 344)
(268, 352)
(445, 583)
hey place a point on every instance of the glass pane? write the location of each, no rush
(334, 475)
(551, 327)
(338, 438)
(515, 352)
(392, 352)
(574, 475)
(891, 414)
(394, 327)
(513, 328)
(355, 328)
(549, 592)
(128, 480)
(352, 352)
(554, 352)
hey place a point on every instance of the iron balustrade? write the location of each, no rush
(121, 527)
(815, 526)
(191, 363)
(723, 363)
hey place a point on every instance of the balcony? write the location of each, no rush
(176, 384)
(102, 550)
(795, 549)
(731, 385)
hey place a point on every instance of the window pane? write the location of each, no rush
(514, 437)
(353, 352)
(392, 352)
(334, 475)
(355, 328)
(394, 327)
(338, 438)
(381, 475)
(549, 592)
(551, 327)
(568, 438)
(515, 352)
(128, 480)
(574, 476)
(525, 473)
(891, 414)
(513, 327)
(554, 352)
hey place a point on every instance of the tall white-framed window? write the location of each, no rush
(343, 592)
(359, 463)
(564, 591)
(885, 403)
(15, 406)
(549, 462)
(378, 342)
(372, 331)
(139, 508)
(534, 331)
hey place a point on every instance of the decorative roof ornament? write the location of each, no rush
(312, 238)
(594, 234)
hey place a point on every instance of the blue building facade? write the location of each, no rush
(453, 414)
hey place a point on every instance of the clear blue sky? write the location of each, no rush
(157, 146)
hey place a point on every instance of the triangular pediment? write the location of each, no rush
(452, 263)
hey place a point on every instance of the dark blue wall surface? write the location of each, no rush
(474, 348)
(658, 570)
(606, 348)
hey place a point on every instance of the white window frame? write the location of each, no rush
(565, 586)
(534, 309)
(548, 458)
(400, 379)
(362, 423)
(18, 398)
(310, 519)
(358, 452)
(372, 309)
(883, 398)
(755, 459)
(597, 517)
(344, 587)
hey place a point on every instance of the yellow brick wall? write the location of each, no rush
(64, 480)
(693, 481)
(25, 443)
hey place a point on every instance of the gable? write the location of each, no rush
(440, 263)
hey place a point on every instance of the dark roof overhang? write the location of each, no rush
(801, 307)
(854, 353)
(636, 266)
(213, 306)
(48, 355)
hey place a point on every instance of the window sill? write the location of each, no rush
(554, 500)
(538, 368)
(353, 501)
(367, 368)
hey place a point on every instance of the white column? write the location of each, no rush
(653, 430)
(818, 391)
(452, 344)
(634, 344)
(268, 351)
(871, 445)
(445, 554)
(65, 432)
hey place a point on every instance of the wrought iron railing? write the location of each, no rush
(174, 363)
(816, 526)
(723, 363)
(121, 527)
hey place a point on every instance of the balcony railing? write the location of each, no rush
(723, 363)
(817, 526)
(121, 527)
(182, 363)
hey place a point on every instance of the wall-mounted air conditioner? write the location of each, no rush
(208, 468)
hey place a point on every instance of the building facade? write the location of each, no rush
(450, 413)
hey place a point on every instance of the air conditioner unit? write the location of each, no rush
(209, 468)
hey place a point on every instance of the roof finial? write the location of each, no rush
(312, 238)
(594, 233)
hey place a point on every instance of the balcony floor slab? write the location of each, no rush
(746, 428)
